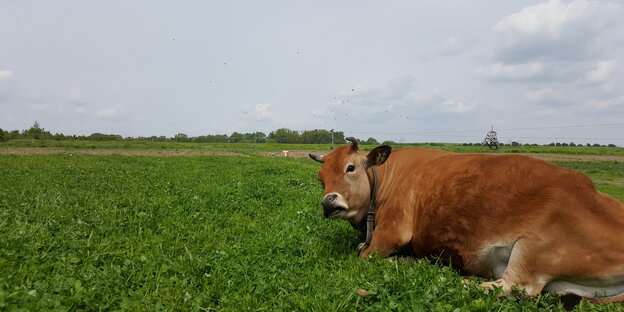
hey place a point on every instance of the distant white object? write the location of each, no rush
(285, 153)
(491, 140)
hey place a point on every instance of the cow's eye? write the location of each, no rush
(350, 168)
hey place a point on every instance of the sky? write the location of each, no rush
(407, 71)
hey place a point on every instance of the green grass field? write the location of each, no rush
(208, 233)
(251, 148)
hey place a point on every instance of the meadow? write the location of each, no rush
(210, 233)
(254, 148)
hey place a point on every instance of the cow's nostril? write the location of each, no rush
(329, 200)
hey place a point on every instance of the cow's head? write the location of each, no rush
(346, 181)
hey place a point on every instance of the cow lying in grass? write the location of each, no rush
(519, 220)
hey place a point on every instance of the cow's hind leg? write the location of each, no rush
(493, 284)
(522, 271)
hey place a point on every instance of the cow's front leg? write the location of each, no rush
(386, 241)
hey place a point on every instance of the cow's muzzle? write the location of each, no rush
(333, 206)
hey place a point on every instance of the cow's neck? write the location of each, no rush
(366, 225)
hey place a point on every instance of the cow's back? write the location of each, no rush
(463, 202)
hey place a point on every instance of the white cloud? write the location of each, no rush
(258, 112)
(557, 31)
(604, 105)
(457, 107)
(40, 107)
(545, 19)
(540, 95)
(546, 112)
(112, 112)
(7, 83)
(500, 71)
(10, 118)
(451, 46)
(399, 102)
(74, 94)
(6, 75)
(603, 72)
(551, 96)
(262, 111)
(567, 49)
(80, 111)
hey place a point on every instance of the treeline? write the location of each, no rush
(550, 144)
(283, 135)
(36, 132)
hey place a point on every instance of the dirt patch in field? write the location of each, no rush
(546, 157)
(617, 182)
(292, 154)
(576, 158)
(46, 151)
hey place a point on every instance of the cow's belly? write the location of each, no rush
(491, 261)
(596, 289)
(494, 259)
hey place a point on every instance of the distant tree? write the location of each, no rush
(236, 137)
(588, 144)
(611, 145)
(372, 141)
(316, 136)
(388, 143)
(180, 137)
(514, 143)
(564, 144)
(255, 137)
(284, 135)
(596, 145)
(218, 138)
(154, 138)
(572, 144)
(104, 137)
(36, 132)
(558, 144)
(59, 137)
(4, 136)
(36, 128)
(339, 137)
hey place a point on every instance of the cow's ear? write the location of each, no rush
(378, 155)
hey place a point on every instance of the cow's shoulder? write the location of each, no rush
(410, 155)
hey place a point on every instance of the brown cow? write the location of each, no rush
(513, 218)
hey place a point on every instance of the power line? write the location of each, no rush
(562, 127)
(519, 137)
(559, 138)
(439, 133)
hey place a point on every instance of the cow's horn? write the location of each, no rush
(318, 158)
(354, 143)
